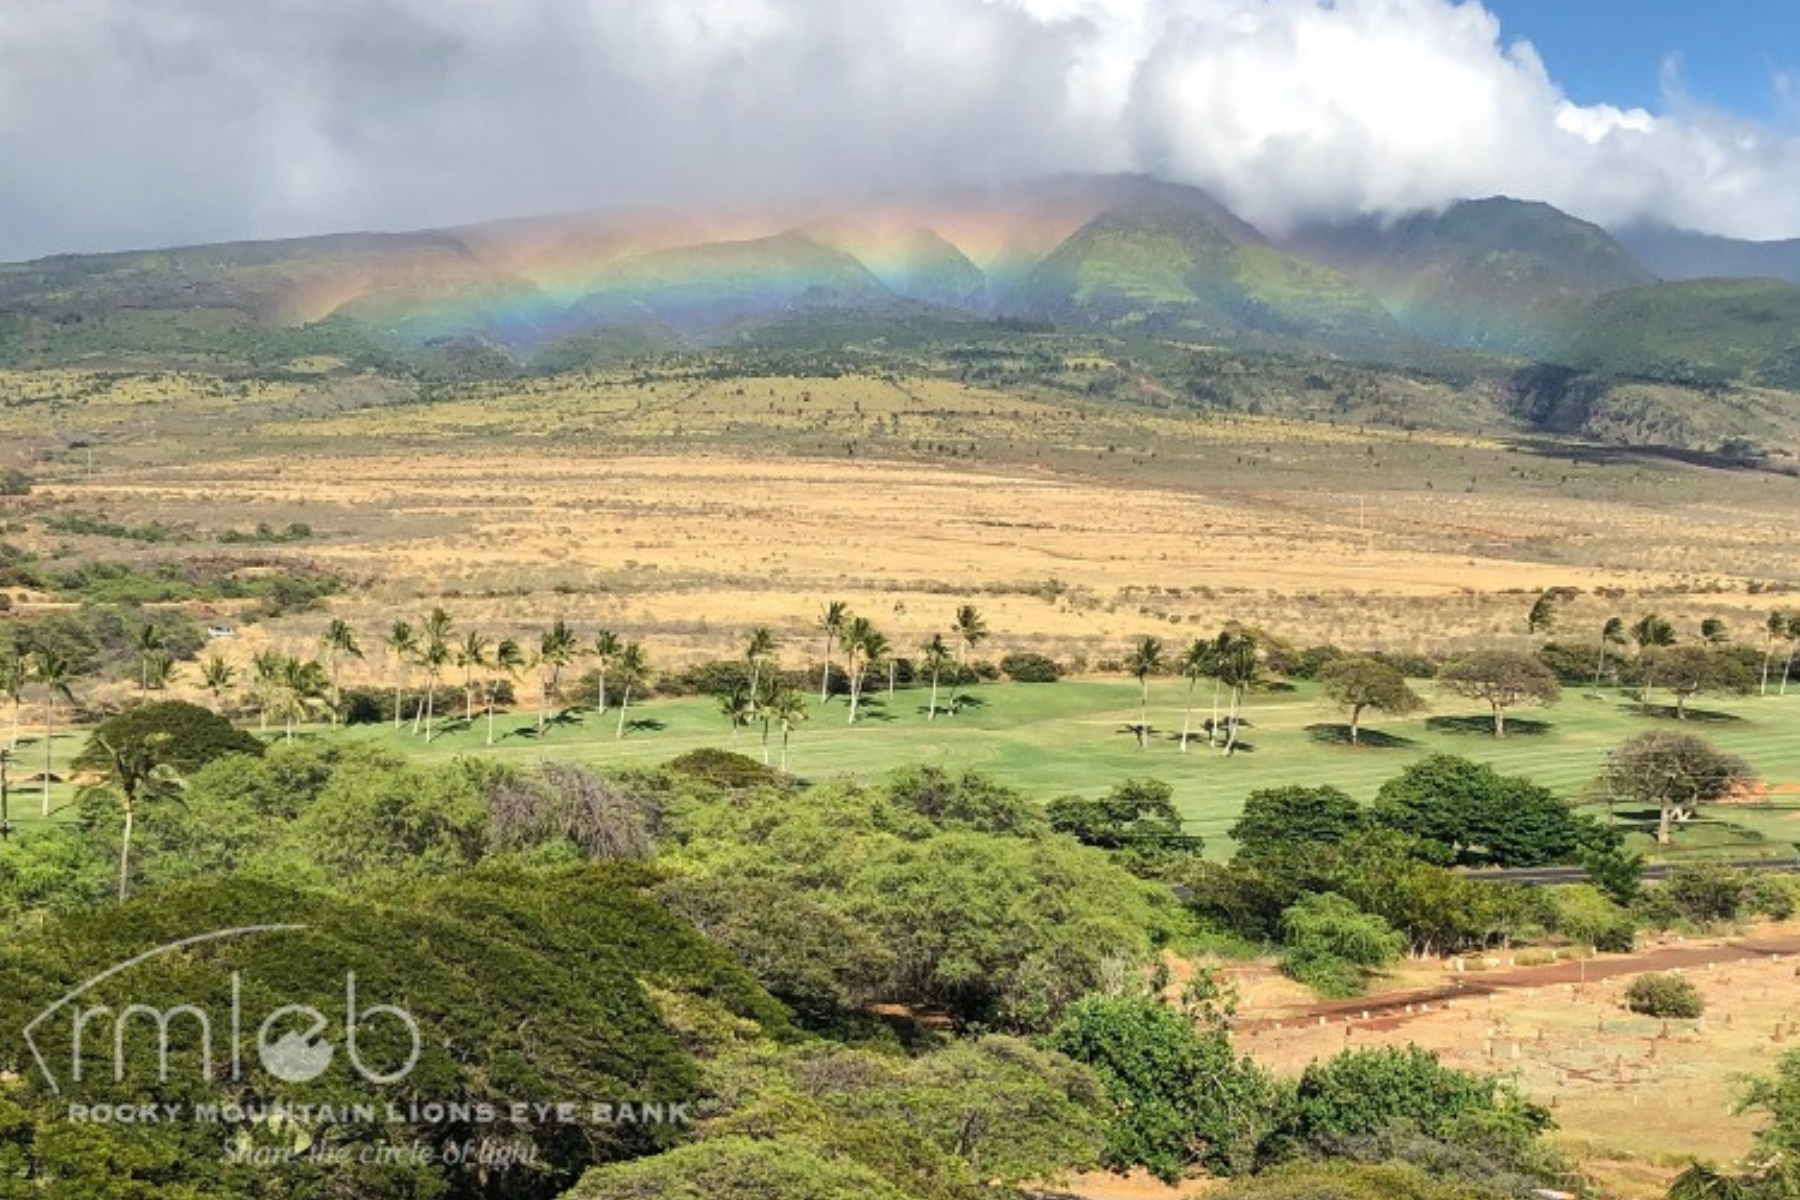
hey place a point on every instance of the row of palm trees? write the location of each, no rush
(1232, 660)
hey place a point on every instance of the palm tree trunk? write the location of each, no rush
(1768, 659)
(1787, 669)
(892, 667)
(49, 725)
(784, 749)
(931, 714)
(624, 705)
(399, 688)
(490, 716)
(1187, 717)
(1499, 721)
(765, 742)
(1212, 730)
(430, 706)
(125, 853)
(1144, 713)
(469, 694)
(825, 674)
(1231, 724)
(855, 689)
(600, 692)
(1601, 669)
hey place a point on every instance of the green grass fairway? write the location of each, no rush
(1067, 737)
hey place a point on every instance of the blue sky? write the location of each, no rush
(1612, 51)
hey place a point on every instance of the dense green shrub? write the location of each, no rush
(191, 736)
(724, 768)
(969, 801)
(738, 1167)
(1137, 820)
(1664, 995)
(14, 482)
(1294, 815)
(1026, 667)
(1333, 947)
(1586, 916)
(1702, 894)
(524, 988)
(1341, 1180)
(1180, 1096)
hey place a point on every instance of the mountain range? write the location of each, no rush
(1124, 256)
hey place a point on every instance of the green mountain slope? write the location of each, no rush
(1177, 266)
(1497, 274)
(1705, 331)
(1677, 254)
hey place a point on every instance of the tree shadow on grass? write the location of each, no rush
(566, 719)
(646, 725)
(958, 703)
(1695, 716)
(1374, 739)
(1484, 726)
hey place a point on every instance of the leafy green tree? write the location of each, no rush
(736, 706)
(338, 642)
(1180, 1096)
(606, 648)
(1688, 671)
(1006, 931)
(1473, 814)
(1137, 819)
(1503, 679)
(634, 672)
(834, 620)
(1276, 818)
(302, 690)
(738, 1167)
(1363, 683)
(15, 675)
(1542, 618)
(1793, 638)
(1360, 1093)
(188, 737)
(1677, 772)
(1334, 947)
(402, 644)
(1714, 632)
(1145, 660)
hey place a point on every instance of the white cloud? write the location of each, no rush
(150, 121)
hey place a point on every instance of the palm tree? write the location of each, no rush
(1238, 665)
(1195, 664)
(789, 710)
(471, 656)
(433, 655)
(556, 650)
(1611, 634)
(834, 620)
(1651, 633)
(338, 641)
(403, 644)
(935, 656)
(13, 677)
(606, 648)
(159, 670)
(1144, 661)
(1776, 628)
(971, 630)
(218, 675)
(303, 689)
(146, 640)
(864, 645)
(265, 666)
(761, 649)
(507, 662)
(735, 706)
(634, 670)
(135, 775)
(55, 673)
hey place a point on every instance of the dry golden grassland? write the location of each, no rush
(685, 510)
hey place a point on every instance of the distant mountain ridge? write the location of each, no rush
(1127, 256)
